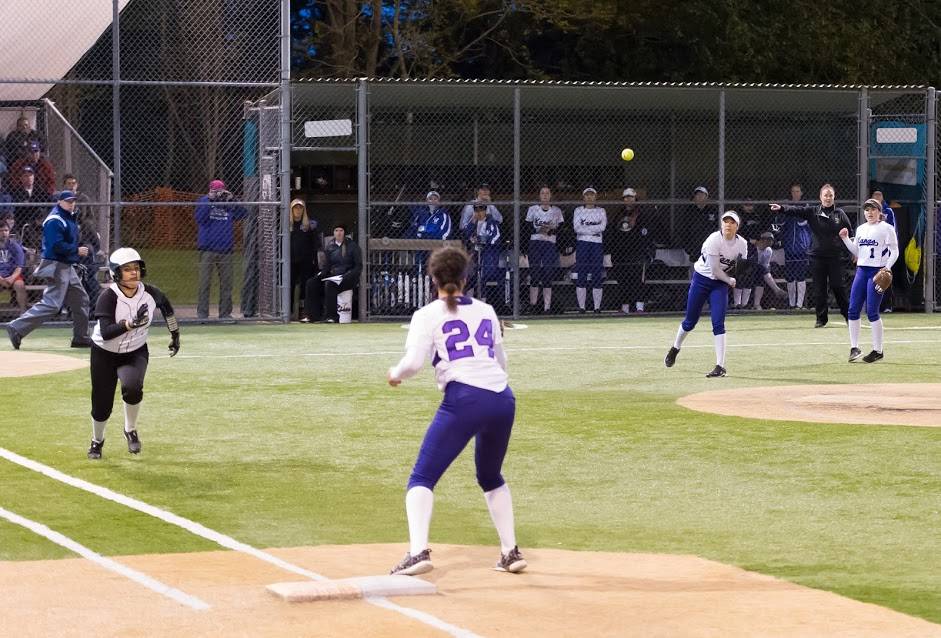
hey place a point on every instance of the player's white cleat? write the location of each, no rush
(420, 563)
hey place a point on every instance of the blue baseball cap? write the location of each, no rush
(66, 196)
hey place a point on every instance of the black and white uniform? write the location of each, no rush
(119, 353)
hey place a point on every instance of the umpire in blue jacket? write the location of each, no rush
(60, 254)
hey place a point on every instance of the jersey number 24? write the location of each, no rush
(459, 335)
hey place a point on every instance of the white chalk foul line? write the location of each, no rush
(138, 577)
(218, 537)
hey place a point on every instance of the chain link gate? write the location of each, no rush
(146, 116)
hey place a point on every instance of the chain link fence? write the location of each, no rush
(563, 224)
(175, 138)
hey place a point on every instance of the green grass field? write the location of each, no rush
(273, 435)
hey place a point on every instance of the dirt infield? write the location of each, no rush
(26, 364)
(563, 593)
(871, 404)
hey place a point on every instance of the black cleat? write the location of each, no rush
(872, 357)
(512, 562)
(94, 450)
(717, 371)
(820, 324)
(133, 442)
(81, 343)
(670, 359)
(15, 338)
(413, 565)
(855, 354)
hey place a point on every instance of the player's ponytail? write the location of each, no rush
(448, 268)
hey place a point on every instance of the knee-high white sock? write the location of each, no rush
(720, 349)
(130, 416)
(546, 298)
(419, 501)
(680, 336)
(877, 334)
(580, 294)
(801, 292)
(746, 295)
(533, 296)
(854, 332)
(596, 297)
(737, 296)
(98, 430)
(759, 293)
(792, 293)
(500, 504)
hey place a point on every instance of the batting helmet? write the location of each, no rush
(123, 256)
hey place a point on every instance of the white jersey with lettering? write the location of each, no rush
(877, 245)
(726, 249)
(464, 346)
(114, 307)
(589, 223)
(541, 217)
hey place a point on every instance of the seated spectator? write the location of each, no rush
(431, 221)
(700, 220)
(12, 265)
(343, 263)
(543, 253)
(482, 236)
(29, 219)
(759, 276)
(45, 172)
(482, 194)
(629, 241)
(18, 141)
(754, 222)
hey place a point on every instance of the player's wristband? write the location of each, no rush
(172, 324)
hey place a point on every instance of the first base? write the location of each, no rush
(349, 588)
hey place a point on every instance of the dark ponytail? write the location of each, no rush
(448, 268)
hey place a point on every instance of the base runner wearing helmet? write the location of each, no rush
(123, 316)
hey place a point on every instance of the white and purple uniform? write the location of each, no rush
(466, 350)
(543, 253)
(711, 280)
(589, 225)
(876, 246)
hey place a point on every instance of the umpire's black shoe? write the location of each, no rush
(855, 354)
(94, 450)
(872, 357)
(81, 343)
(133, 442)
(15, 338)
(670, 359)
(820, 324)
(717, 371)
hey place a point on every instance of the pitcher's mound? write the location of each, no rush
(23, 363)
(869, 404)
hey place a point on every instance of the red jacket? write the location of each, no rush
(45, 172)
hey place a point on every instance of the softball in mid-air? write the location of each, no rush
(627, 154)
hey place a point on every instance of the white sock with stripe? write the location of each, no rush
(419, 503)
(500, 504)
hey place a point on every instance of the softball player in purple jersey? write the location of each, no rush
(462, 337)
(876, 246)
(711, 281)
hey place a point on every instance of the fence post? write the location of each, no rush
(721, 177)
(116, 114)
(931, 221)
(362, 189)
(862, 147)
(516, 202)
(287, 141)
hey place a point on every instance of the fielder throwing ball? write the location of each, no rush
(462, 335)
(712, 280)
(876, 247)
(119, 345)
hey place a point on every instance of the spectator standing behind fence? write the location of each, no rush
(343, 263)
(543, 253)
(61, 252)
(45, 171)
(29, 219)
(700, 220)
(630, 242)
(18, 141)
(589, 222)
(826, 249)
(795, 236)
(12, 264)
(215, 240)
(482, 236)
(304, 244)
(481, 194)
